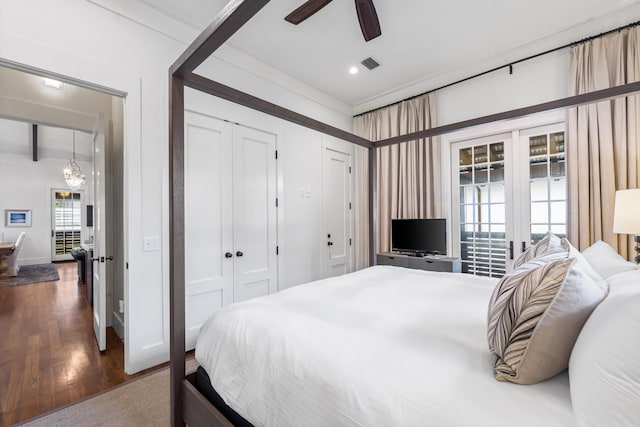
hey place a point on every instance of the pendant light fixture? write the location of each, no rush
(72, 173)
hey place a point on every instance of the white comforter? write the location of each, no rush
(385, 346)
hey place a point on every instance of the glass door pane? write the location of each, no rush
(481, 185)
(67, 223)
(547, 185)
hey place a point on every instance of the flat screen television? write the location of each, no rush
(419, 236)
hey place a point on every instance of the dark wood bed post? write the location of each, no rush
(176, 245)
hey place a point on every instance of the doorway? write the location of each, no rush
(508, 191)
(337, 205)
(66, 222)
(35, 112)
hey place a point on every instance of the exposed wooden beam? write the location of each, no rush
(204, 84)
(34, 142)
(571, 101)
(234, 15)
(176, 246)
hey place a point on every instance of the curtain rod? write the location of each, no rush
(510, 65)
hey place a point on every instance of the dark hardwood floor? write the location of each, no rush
(48, 354)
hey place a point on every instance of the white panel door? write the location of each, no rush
(336, 192)
(208, 220)
(255, 239)
(100, 241)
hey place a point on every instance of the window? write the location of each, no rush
(547, 185)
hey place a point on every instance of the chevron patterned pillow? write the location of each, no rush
(535, 315)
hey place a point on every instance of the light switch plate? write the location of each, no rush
(151, 243)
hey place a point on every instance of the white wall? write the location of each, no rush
(532, 82)
(25, 184)
(299, 166)
(538, 80)
(87, 41)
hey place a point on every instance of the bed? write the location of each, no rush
(188, 405)
(382, 346)
(400, 347)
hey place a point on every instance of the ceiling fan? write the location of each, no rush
(367, 15)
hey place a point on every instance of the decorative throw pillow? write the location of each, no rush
(535, 315)
(604, 370)
(550, 243)
(606, 261)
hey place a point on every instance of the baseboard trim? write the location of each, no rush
(118, 324)
(33, 261)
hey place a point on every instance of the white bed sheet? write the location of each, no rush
(385, 346)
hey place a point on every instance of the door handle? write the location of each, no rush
(511, 249)
(524, 246)
(110, 258)
(239, 253)
(228, 255)
(95, 259)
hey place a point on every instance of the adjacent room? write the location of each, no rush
(328, 213)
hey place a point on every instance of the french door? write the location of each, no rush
(66, 219)
(509, 190)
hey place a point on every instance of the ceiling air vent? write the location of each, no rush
(370, 63)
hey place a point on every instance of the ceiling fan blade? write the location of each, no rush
(306, 10)
(368, 18)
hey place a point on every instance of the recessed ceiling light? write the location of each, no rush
(353, 70)
(52, 83)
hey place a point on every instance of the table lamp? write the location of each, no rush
(626, 216)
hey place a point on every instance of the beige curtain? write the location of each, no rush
(603, 139)
(409, 174)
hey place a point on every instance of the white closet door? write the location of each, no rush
(255, 240)
(208, 220)
(337, 215)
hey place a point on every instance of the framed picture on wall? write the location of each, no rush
(17, 217)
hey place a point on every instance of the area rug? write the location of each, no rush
(33, 274)
(140, 402)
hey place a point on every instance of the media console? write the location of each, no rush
(429, 262)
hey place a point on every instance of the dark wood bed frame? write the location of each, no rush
(188, 405)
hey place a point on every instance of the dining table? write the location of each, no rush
(6, 248)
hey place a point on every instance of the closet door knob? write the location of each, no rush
(228, 255)
(239, 253)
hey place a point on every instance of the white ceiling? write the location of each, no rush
(53, 142)
(435, 42)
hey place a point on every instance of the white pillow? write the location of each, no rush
(604, 369)
(583, 263)
(606, 261)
